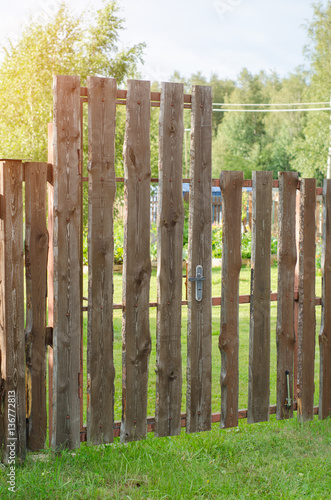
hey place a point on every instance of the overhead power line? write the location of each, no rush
(270, 110)
(270, 104)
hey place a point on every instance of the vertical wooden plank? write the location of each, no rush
(12, 340)
(307, 319)
(296, 298)
(231, 187)
(287, 256)
(102, 189)
(67, 263)
(170, 261)
(259, 338)
(36, 252)
(325, 332)
(50, 281)
(136, 263)
(199, 327)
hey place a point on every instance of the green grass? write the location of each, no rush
(216, 357)
(278, 459)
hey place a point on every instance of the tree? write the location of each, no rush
(238, 142)
(66, 44)
(311, 150)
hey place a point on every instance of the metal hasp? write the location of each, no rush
(198, 283)
(288, 402)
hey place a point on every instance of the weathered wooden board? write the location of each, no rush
(136, 263)
(102, 189)
(325, 332)
(67, 262)
(307, 319)
(50, 280)
(36, 252)
(170, 262)
(12, 340)
(296, 296)
(287, 255)
(199, 324)
(259, 338)
(231, 187)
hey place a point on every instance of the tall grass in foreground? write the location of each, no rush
(274, 460)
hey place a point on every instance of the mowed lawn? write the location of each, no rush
(277, 459)
(216, 356)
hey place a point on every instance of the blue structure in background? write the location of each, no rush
(216, 207)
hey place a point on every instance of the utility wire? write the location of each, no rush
(271, 104)
(269, 110)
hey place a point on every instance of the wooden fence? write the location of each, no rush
(53, 299)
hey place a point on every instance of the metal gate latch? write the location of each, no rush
(288, 402)
(198, 283)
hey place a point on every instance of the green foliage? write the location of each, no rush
(217, 242)
(246, 245)
(118, 241)
(274, 245)
(64, 44)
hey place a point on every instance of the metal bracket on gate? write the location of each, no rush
(198, 283)
(288, 402)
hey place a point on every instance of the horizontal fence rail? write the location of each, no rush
(53, 298)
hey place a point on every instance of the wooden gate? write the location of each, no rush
(51, 331)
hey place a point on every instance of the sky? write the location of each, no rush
(211, 36)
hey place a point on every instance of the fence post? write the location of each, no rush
(67, 262)
(137, 262)
(231, 187)
(259, 337)
(102, 189)
(50, 278)
(325, 333)
(306, 317)
(199, 313)
(36, 252)
(287, 255)
(170, 262)
(12, 339)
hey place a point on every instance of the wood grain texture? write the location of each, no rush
(12, 339)
(102, 189)
(67, 262)
(287, 256)
(325, 331)
(296, 296)
(36, 252)
(136, 262)
(231, 187)
(259, 337)
(199, 324)
(170, 262)
(50, 279)
(307, 318)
